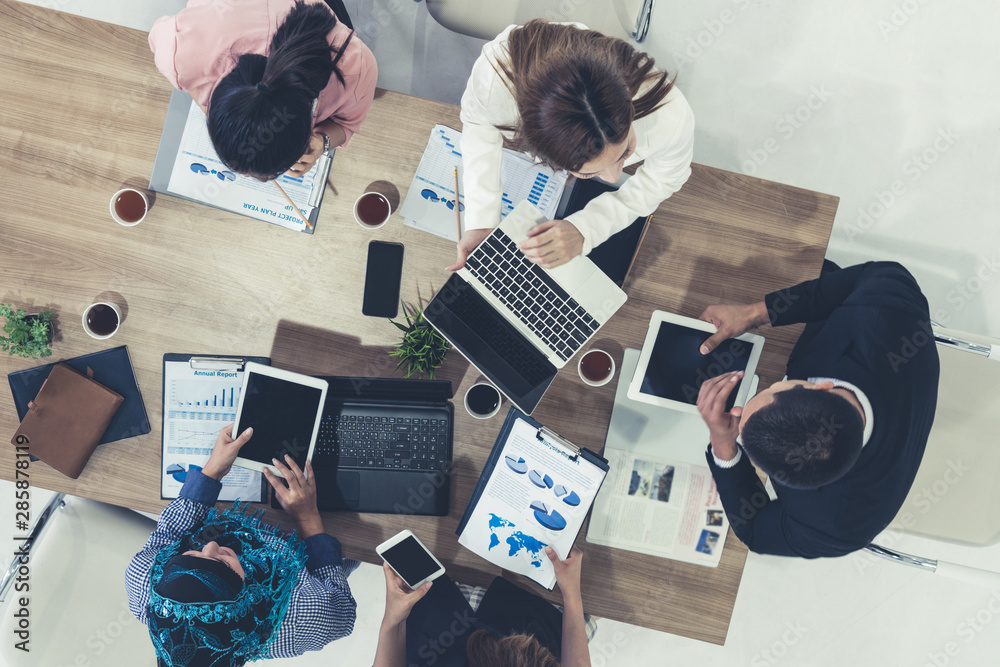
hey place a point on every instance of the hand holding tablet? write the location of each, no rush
(225, 452)
(672, 368)
(723, 425)
(284, 409)
(296, 491)
(732, 321)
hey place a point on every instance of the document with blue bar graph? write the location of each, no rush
(200, 396)
(430, 201)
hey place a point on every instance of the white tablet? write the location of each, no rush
(284, 409)
(671, 367)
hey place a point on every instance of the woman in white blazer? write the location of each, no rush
(578, 101)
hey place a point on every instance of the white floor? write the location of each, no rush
(890, 105)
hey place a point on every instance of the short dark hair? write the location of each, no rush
(804, 438)
(262, 130)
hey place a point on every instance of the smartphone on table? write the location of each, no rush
(410, 559)
(382, 278)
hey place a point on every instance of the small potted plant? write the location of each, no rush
(26, 335)
(421, 348)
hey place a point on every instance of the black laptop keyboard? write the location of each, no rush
(377, 437)
(532, 295)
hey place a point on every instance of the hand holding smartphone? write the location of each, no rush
(410, 559)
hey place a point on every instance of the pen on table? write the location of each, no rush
(458, 215)
(289, 200)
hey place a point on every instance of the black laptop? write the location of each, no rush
(384, 446)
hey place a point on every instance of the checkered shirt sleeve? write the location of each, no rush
(179, 516)
(321, 608)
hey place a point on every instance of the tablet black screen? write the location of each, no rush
(677, 367)
(282, 414)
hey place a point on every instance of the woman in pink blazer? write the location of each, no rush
(281, 81)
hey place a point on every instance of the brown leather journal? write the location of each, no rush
(67, 419)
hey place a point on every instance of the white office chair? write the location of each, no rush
(955, 497)
(485, 20)
(78, 606)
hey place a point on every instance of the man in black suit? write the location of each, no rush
(842, 436)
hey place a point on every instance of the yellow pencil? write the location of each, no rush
(458, 215)
(289, 200)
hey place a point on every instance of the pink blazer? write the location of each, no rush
(199, 46)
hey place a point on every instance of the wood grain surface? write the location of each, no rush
(83, 107)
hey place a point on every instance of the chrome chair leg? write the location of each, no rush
(28, 542)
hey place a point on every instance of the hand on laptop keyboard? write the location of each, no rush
(552, 243)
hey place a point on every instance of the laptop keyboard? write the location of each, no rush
(376, 437)
(532, 295)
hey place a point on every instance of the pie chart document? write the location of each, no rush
(534, 492)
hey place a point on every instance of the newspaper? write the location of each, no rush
(661, 508)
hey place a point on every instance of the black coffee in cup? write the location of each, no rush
(483, 399)
(102, 320)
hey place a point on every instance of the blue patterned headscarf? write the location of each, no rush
(226, 633)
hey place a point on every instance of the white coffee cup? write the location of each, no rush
(380, 196)
(596, 383)
(90, 332)
(480, 415)
(117, 218)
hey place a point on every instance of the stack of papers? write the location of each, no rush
(430, 201)
(187, 166)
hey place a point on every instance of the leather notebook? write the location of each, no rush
(112, 368)
(67, 419)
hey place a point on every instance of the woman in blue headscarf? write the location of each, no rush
(220, 589)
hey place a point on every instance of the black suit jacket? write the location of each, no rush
(868, 325)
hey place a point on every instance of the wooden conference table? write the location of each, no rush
(83, 107)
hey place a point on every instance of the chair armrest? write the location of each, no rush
(28, 543)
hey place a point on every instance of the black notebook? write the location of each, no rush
(113, 369)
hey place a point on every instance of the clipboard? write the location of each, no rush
(211, 178)
(200, 395)
(549, 490)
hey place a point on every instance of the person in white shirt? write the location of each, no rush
(579, 101)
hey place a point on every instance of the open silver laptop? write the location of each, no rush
(515, 321)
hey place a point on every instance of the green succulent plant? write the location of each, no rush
(421, 348)
(27, 335)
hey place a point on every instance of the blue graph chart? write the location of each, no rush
(204, 401)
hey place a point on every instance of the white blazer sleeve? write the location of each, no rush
(665, 140)
(486, 104)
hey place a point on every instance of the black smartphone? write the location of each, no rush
(382, 277)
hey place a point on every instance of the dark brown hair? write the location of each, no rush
(574, 91)
(485, 650)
